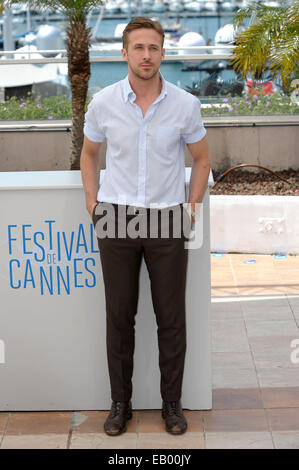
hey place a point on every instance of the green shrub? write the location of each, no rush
(59, 107)
(53, 107)
(252, 104)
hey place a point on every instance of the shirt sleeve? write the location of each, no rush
(195, 129)
(93, 128)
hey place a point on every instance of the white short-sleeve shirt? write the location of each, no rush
(145, 158)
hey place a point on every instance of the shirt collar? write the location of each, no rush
(128, 93)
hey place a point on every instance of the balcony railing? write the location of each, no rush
(114, 58)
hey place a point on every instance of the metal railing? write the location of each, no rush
(114, 58)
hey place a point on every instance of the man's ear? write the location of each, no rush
(163, 53)
(124, 54)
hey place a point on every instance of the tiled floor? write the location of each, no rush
(255, 319)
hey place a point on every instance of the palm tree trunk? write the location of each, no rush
(78, 37)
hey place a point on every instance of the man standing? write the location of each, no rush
(146, 122)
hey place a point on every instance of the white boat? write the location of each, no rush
(239, 4)
(128, 8)
(211, 6)
(42, 79)
(202, 3)
(111, 8)
(158, 7)
(228, 6)
(226, 36)
(172, 27)
(191, 39)
(246, 3)
(272, 4)
(194, 7)
(119, 29)
(146, 6)
(19, 8)
(176, 7)
(116, 45)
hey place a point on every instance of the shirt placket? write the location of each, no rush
(142, 151)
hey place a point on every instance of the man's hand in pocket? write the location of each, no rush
(91, 207)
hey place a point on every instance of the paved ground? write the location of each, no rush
(255, 318)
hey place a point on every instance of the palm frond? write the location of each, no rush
(286, 55)
(272, 41)
(254, 44)
(292, 15)
(255, 9)
(77, 10)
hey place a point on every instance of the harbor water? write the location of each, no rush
(176, 72)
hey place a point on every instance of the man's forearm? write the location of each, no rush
(198, 181)
(90, 171)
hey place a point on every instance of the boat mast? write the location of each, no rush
(8, 42)
(129, 11)
(28, 17)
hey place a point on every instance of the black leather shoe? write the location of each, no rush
(120, 412)
(175, 420)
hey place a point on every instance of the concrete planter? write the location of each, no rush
(271, 141)
(254, 224)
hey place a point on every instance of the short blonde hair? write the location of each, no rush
(138, 23)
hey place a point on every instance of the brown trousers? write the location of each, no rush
(166, 261)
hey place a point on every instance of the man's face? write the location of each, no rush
(144, 53)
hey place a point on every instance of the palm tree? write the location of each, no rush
(270, 42)
(77, 42)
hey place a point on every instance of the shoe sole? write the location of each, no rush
(121, 431)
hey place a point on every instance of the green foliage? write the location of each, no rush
(59, 107)
(252, 104)
(53, 107)
(270, 42)
(76, 10)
